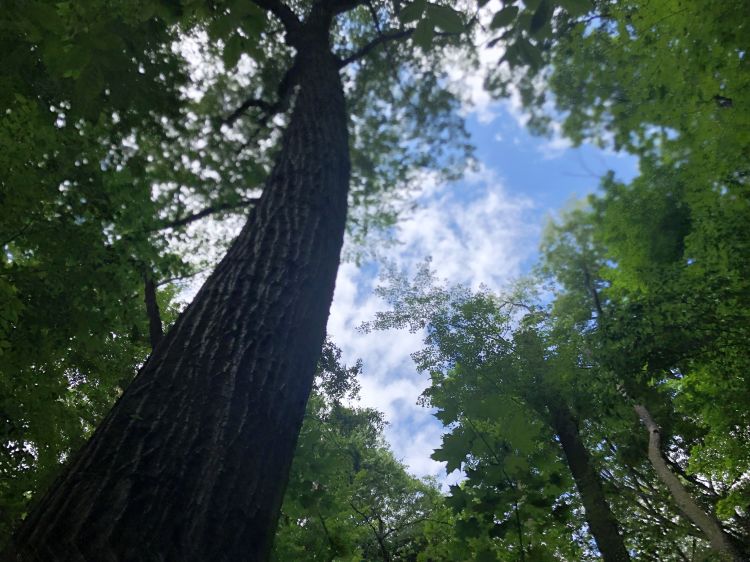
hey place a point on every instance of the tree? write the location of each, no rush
(666, 82)
(642, 352)
(510, 398)
(174, 469)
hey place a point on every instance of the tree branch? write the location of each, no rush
(169, 280)
(705, 521)
(184, 221)
(383, 38)
(341, 6)
(269, 108)
(283, 94)
(283, 12)
(372, 45)
(17, 234)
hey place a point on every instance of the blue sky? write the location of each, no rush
(484, 229)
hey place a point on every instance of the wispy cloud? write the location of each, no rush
(476, 232)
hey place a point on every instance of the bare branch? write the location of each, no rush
(372, 45)
(384, 38)
(269, 109)
(169, 280)
(184, 221)
(283, 93)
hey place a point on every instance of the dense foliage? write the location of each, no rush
(348, 497)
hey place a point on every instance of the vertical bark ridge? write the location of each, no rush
(191, 463)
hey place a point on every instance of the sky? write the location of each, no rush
(483, 229)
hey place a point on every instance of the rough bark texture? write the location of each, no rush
(602, 522)
(710, 526)
(192, 462)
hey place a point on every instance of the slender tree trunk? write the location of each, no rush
(155, 327)
(602, 522)
(706, 522)
(192, 462)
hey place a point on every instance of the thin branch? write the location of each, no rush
(270, 109)
(169, 280)
(384, 38)
(690, 478)
(372, 45)
(184, 221)
(283, 96)
(706, 521)
(17, 234)
(374, 16)
(325, 530)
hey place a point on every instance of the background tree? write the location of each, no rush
(507, 390)
(76, 80)
(348, 497)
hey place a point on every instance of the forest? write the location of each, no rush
(180, 183)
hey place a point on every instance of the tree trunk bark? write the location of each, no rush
(155, 326)
(192, 462)
(601, 521)
(706, 522)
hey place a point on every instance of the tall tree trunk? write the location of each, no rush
(602, 522)
(706, 522)
(192, 462)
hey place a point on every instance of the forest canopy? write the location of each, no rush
(598, 408)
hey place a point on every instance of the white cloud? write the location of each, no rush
(476, 232)
(556, 145)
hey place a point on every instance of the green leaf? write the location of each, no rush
(529, 53)
(88, 90)
(233, 51)
(241, 8)
(576, 7)
(504, 17)
(485, 555)
(468, 528)
(541, 16)
(412, 11)
(446, 18)
(455, 447)
(423, 34)
(221, 27)
(458, 499)
(46, 17)
(515, 464)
